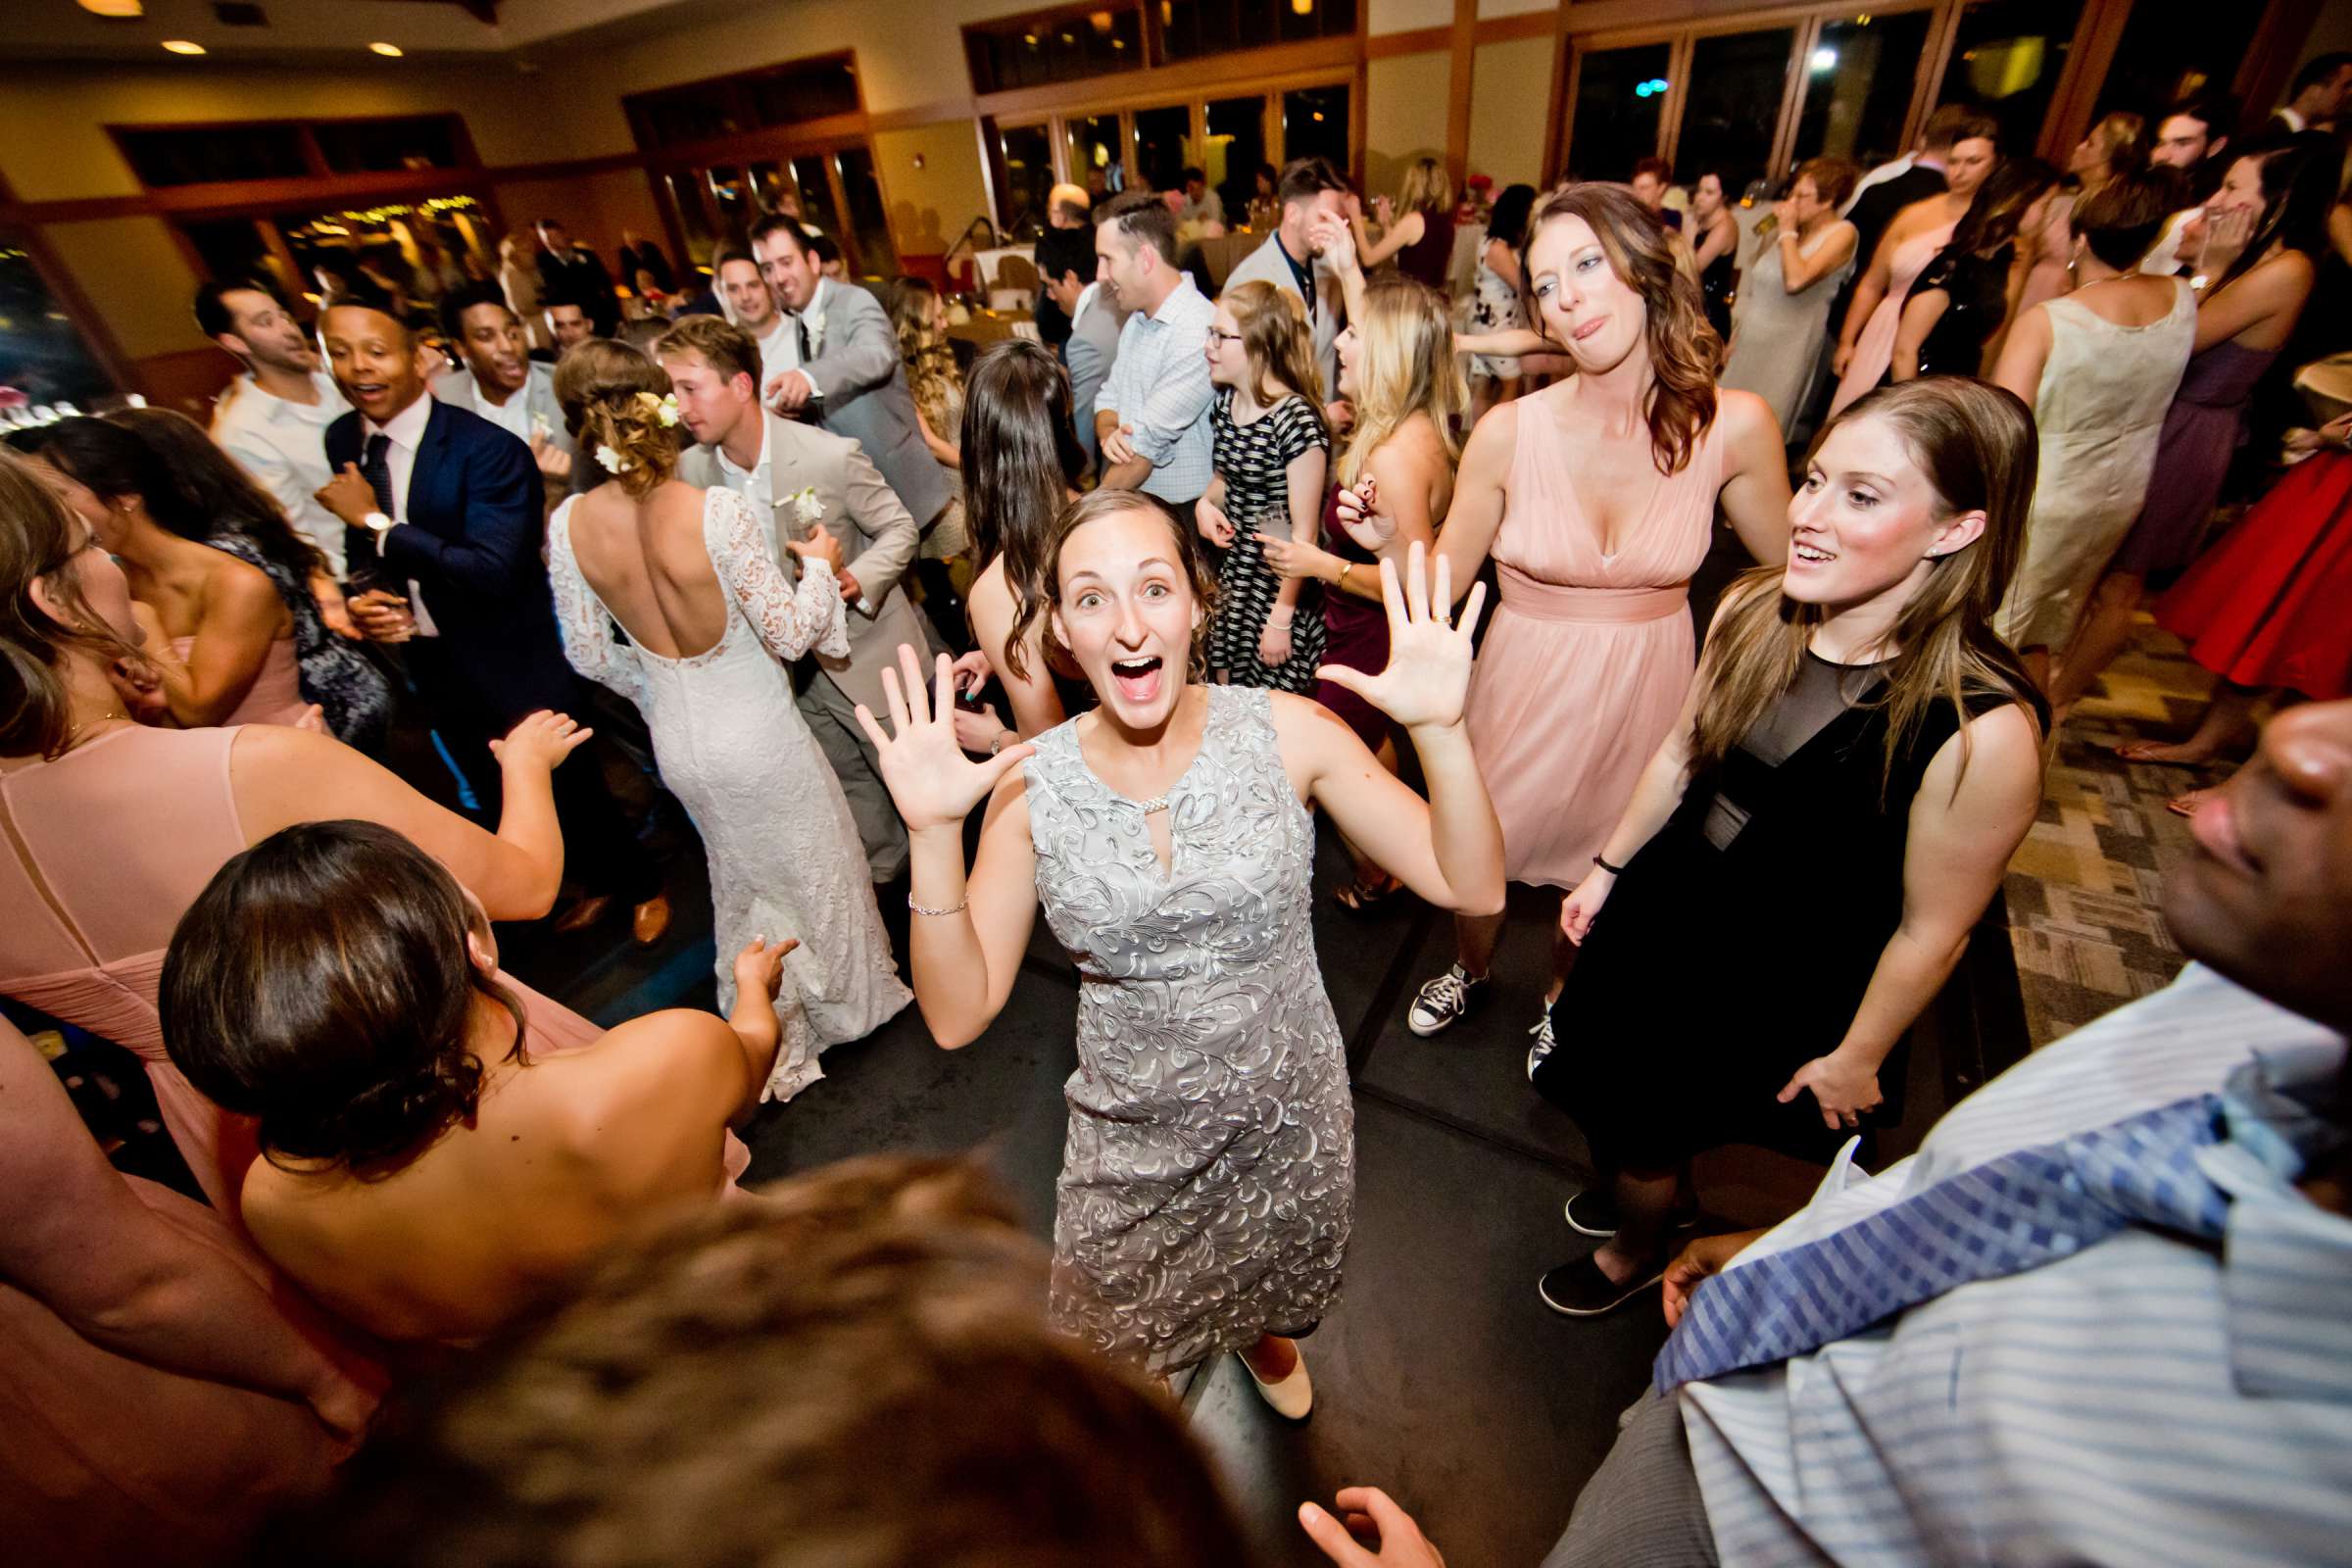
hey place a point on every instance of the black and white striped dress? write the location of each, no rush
(1254, 459)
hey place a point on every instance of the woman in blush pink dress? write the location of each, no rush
(1597, 499)
(154, 1403)
(1873, 317)
(112, 827)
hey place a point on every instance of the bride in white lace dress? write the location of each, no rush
(694, 580)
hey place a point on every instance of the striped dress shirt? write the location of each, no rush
(1158, 384)
(2152, 1399)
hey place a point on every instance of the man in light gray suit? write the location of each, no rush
(500, 381)
(846, 374)
(1066, 264)
(805, 478)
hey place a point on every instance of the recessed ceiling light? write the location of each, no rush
(182, 46)
(390, 51)
(114, 8)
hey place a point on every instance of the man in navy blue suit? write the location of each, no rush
(442, 513)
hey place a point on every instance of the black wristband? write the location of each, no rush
(1613, 871)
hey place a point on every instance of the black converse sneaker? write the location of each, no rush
(1544, 1043)
(1443, 1001)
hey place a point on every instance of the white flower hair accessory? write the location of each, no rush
(611, 460)
(805, 506)
(663, 408)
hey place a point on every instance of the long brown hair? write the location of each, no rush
(1280, 345)
(1405, 365)
(1093, 507)
(1682, 347)
(38, 541)
(1974, 443)
(1021, 463)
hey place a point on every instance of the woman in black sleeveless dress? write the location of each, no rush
(1817, 838)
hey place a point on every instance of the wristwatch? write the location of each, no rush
(376, 523)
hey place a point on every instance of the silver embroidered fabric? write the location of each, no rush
(1208, 1176)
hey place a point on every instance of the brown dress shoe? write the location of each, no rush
(583, 913)
(651, 919)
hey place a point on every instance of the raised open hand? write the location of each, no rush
(1360, 516)
(1429, 659)
(932, 783)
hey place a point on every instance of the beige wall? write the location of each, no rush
(930, 206)
(1405, 115)
(136, 276)
(1510, 101)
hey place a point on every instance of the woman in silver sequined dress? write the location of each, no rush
(1208, 1179)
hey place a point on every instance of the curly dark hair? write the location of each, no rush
(321, 983)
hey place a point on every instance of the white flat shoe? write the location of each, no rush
(1294, 1397)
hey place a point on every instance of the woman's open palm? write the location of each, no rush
(1429, 659)
(931, 780)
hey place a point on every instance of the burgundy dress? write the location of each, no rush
(2202, 432)
(1429, 258)
(1355, 632)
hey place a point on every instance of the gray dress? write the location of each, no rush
(1209, 1176)
(1778, 336)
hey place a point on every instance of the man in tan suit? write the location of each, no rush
(806, 478)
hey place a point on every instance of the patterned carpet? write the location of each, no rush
(2083, 888)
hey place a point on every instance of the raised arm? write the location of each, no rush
(1800, 272)
(281, 776)
(1964, 825)
(241, 616)
(1405, 231)
(967, 932)
(2260, 307)
(1448, 849)
(75, 1237)
(498, 552)
(1755, 484)
(790, 620)
(1400, 488)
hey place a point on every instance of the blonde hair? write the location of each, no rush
(932, 378)
(1427, 187)
(1975, 444)
(1404, 364)
(1276, 337)
(615, 399)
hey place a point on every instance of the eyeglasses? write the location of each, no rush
(1216, 337)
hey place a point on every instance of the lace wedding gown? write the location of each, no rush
(785, 858)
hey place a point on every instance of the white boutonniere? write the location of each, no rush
(611, 460)
(805, 506)
(540, 427)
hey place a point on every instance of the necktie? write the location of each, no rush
(2010, 1214)
(377, 468)
(800, 325)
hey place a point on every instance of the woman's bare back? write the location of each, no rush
(562, 1156)
(649, 565)
(2133, 300)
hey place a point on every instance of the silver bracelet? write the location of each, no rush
(956, 908)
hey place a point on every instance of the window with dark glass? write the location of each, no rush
(1237, 146)
(1161, 138)
(1857, 87)
(2006, 60)
(202, 156)
(1620, 95)
(1315, 123)
(1095, 143)
(1026, 154)
(869, 222)
(793, 93)
(1060, 45)
(816, 192)
(381, 146)
(42, 356)
(232, 247)
(1737, 81)
(2168, 49)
